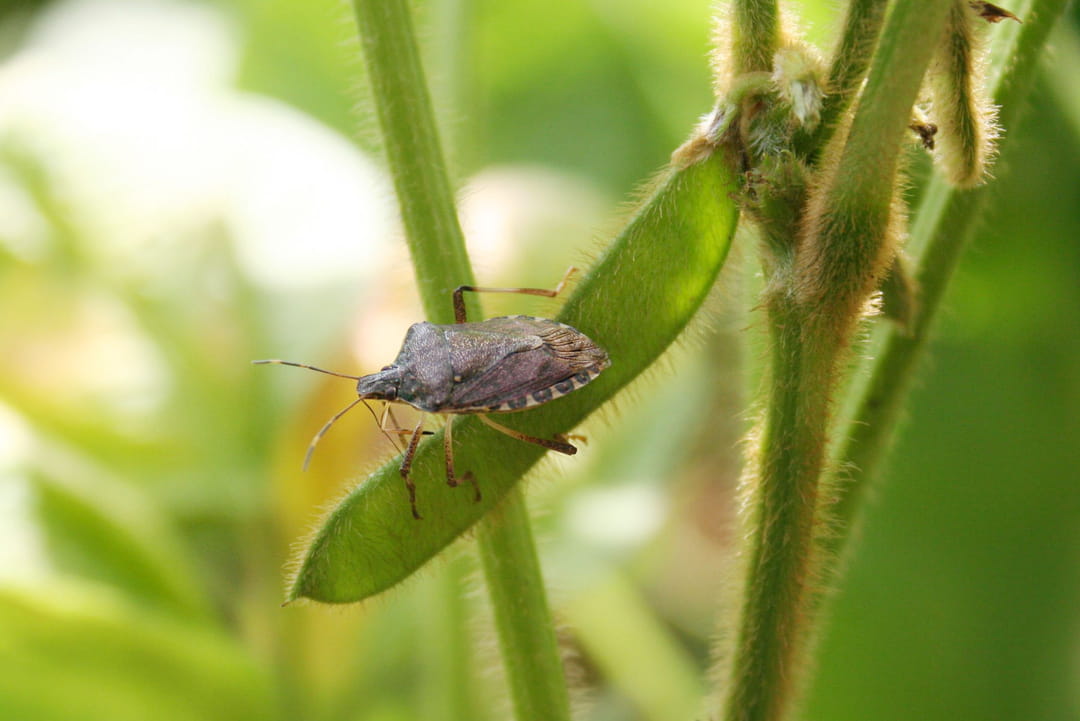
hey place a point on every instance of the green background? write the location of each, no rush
(146, 549)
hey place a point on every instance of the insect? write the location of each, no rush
(499, 365)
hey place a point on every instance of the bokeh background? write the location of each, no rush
(186, 186)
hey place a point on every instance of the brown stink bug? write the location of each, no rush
(499, 365)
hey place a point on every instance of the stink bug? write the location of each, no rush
(499, 365)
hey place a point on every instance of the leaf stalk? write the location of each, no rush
(437, 247)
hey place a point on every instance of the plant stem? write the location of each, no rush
(862, 24)
(816, 294)
(867, 169)
(857, 42)
(757, 34)
(780, 557)
(526, 634)
(942, 228)
(407, 121)
(437, 247)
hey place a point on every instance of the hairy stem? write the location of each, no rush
(815, 298)
(867, 169)
(862, 24)
(780, 557)
(757, 35)
(411, 139)
(940, 232)
(437, 246)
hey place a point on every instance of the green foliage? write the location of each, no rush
(831, 239)
(114, 660)
(150, 493)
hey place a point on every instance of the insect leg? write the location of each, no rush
(459, 299)
(555, 445)
(396, 430)
(448, 449)
(391, 432)
(396, 427)
(406, 466)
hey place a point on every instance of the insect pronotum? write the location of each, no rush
(499, 365)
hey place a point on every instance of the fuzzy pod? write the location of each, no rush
(965, 117)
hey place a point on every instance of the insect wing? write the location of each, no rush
(477, 348)
(527, 361)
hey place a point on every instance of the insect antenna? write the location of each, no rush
(339, 414)
(322, 431)
(275, 361)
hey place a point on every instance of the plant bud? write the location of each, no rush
(798, 77)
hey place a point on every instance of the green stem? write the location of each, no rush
(526, 634)
(862, 25)
(816, 296)
(850, 229)
(943, 225)
(852, 57)
(437, 246)
(757, 35)
(407, 121)
(780, 557)
(867, 169)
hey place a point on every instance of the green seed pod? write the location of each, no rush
(965, 117)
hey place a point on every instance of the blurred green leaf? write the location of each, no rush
(597, 67)
(111, 534)
(80, 652)
(634, 650)
(315, 69)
